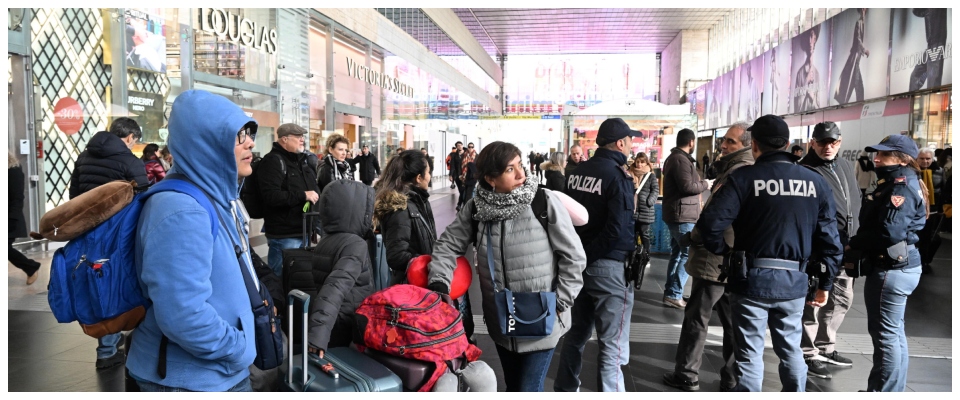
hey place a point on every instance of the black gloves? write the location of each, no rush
(438, 287)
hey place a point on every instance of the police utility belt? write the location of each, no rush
(735, 264)
(896, 256)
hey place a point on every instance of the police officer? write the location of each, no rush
(780, 213)
(892, 216)
(820, 325)
(605, 188)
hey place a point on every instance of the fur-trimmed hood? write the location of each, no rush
(549, 166)
(392, 201)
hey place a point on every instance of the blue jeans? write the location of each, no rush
(107, 345)
(524, 372)
(750, 316)
(606, 303)
(275, 255)
(676, 273)
(885, 294)
(145, 386)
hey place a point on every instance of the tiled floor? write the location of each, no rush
(46, 356)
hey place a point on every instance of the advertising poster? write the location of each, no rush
(776, 82)
(147, 110)
(751, 82)
(146, 41)
(713, 107)
(922, 49)
(858, 69)
(730, 99)
(810, 69)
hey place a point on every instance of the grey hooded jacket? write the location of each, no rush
(532, 260)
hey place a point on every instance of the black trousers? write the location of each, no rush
(27, 265)
(693, 335)
(643, 231)
(368, 182)
(929, 238)
(459, 183)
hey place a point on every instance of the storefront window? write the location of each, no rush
(237, 43)
(933, 120)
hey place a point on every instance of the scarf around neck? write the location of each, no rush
(493, 206)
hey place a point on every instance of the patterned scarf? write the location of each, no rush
(493, 206)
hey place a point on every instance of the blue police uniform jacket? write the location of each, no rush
(893, 213)
(779, 210)
(605, 189)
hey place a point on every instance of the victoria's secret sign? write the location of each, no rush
(372, 77)
(238, 29)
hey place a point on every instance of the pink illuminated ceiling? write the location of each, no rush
(582, 30)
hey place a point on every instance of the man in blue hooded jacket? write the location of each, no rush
(194, 282)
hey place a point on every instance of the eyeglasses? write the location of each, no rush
(828, 142)
(469, 147)
(244, 133)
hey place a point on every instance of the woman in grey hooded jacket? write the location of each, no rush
(527, 258)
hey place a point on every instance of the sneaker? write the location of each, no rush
(836, 359)
(675, 303)
(673, 380)
(816, 368)
(115, 359)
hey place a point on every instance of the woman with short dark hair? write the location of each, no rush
(527, 258)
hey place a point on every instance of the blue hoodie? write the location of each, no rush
(194, 282)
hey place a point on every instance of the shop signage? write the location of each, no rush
(68, 115)
(361, 72)
(147, 110)
(873, 110)
(238, 29)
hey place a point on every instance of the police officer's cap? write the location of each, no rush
(612, 130)
(826, 130)
(901, 143)
(769, 127)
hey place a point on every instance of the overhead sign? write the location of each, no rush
(873, 110)
(361, 72)
(238, 29)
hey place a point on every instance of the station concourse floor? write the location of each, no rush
(45, 356)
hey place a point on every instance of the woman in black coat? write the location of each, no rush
(553, 171)
(17, 226)
(647, 189)
(402, 210)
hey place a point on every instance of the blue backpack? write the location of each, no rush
(93, 279)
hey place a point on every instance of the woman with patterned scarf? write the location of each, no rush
(526, 258)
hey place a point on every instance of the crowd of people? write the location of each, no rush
(796, 277)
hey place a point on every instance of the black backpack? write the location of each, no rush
(250, 192)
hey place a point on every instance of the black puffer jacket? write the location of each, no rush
(408, 228)
(283, 196)
(646, 200)
(342, 258)
(332, 170)
(106, 159)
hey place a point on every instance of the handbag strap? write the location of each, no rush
(490, 257)
(642, 182)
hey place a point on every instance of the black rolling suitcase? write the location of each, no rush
(352, 370)
(298, 263)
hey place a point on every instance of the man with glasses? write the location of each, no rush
(108, 158)
(198, 333)
(287, 184)
(820, 324)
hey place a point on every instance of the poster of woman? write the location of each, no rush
(776, 80)
(859, 64)
(810, 69)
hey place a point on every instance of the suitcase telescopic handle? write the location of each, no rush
(294, 296)
(306, 220)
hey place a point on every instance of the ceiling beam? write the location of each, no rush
(450, 23)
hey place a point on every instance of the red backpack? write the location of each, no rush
(413, 322)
